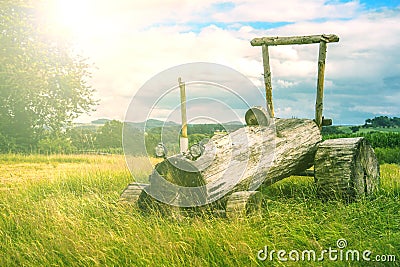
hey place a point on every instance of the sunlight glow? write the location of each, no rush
(82, 23)
(73, 14)
(73, 18)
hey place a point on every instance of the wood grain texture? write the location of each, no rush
(244, 159)
(320, 84)
(267, 80)
(294, 40)
(346, 168)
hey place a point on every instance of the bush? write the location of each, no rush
(7, 144)
(59, 145)
(385, 144)
(376, 139)
(388, 155)
(331, 130)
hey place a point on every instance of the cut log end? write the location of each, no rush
(346, 168)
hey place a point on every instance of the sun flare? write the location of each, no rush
(71, 17)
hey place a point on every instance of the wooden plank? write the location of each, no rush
(132, 193)
(320, 83)
(294, 40)
(267, 80)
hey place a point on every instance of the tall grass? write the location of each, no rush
(66, 213)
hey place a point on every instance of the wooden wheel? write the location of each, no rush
(346, 168)
(243, 203)
(257, 116)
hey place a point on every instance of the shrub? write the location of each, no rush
(388, 155)
(59, 145)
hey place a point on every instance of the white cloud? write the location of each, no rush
(290, 10)
(377, 110)
(131, 41)
(285, 84)
(284, 112)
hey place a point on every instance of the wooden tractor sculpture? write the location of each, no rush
(232, 167)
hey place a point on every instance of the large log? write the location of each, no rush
(240, 161)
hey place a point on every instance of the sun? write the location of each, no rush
(73, 18)
(73, 13)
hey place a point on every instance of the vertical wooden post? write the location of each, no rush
(184, 142)
(320, 83)
(267, 80)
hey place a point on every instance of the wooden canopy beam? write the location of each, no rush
(322, 39)
(294, 40)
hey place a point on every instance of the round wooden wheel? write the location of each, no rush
(132, 193)
(243, 203)
(346, 168)
(257, 116)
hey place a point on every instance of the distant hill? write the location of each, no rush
(233, 123)
(154, 123)
(100, 121)
(151, 123)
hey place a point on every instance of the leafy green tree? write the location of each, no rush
(82, 139)
(59, 145)
(381, 121)
(43, 85)
(396, 121)
(354, 129)
(109, 135)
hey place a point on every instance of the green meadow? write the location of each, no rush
(63, 210)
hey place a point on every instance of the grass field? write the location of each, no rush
(64, 211)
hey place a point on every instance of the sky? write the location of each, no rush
(131, 42)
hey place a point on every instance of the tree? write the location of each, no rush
(55, 144)
(82, 139)
(43, 85)
(109, 135)
(396, 121)
(354, 129)
(381, 121)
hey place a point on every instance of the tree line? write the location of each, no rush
(107, 138)
(382, 121)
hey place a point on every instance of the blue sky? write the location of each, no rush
(379, 4)
(129, 42)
